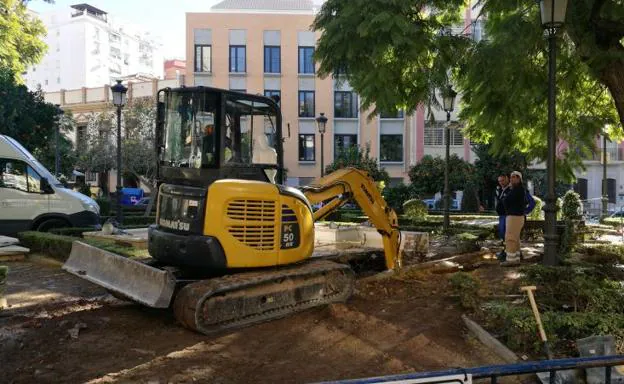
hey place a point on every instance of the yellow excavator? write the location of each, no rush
(232, 246)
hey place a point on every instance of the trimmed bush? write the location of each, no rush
(415, 209)
(571, 207)
(71, 231)
(59, 246)
(397, 196)
(132, 220)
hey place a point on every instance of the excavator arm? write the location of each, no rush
(337, 188)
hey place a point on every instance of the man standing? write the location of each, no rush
(501, 192)
(515, 209)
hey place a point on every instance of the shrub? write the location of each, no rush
(132, 220)
(105, 206)
(397, 196)
(59, 246)
(466, 242)
(85, 189)
(467, 288)
(537, 213)
(415, 209)
(571, 207)
(56, 246)
(71, 231)
(470, 200)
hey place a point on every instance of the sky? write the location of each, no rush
(162, 18)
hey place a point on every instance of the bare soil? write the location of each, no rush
(390, 326)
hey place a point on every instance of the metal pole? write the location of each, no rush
(57, 158)
(322, 156)
(605, 194)
(118, 189)
(550, 232)
(447, 193)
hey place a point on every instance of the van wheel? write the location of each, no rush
(49, 224)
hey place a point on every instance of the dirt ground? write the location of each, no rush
(64, 330)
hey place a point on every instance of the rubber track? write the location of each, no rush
(190, 300)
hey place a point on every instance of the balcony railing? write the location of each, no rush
(613, 154)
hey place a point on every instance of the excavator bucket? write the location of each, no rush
(129, 278)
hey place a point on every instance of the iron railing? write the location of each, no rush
(493, 372)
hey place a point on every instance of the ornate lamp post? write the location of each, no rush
(553, 17)
(448, 102)
(119, 100)
(605, 192)
(57, 155)
(321, 122)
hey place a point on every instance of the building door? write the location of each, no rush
(581, 188)
(611, 190)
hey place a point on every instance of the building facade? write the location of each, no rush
(89, 48)
(174, 69)
(266, 47)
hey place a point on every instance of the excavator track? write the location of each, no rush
(239, 300)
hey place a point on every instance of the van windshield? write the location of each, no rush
(35, 164)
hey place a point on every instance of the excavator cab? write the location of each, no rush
(205, 134)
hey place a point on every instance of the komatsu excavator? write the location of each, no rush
(232, 246)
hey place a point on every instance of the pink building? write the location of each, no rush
(266, 46)
(174, 69)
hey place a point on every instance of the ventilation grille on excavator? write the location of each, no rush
(257, 223)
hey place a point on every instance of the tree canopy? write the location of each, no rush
(138, 153)
(29, 119)
(360, 158)
(21, 35)
(427, 176)
(400, 53)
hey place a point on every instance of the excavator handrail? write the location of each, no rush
(351, 183)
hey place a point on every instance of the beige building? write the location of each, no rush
(266, 47)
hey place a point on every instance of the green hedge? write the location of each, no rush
(615, 222)
(71, 231)
(59, 246)
(129, 221)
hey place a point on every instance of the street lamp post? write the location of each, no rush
(119, 100)
(553, 16)
(605, 193)
(57, 155)
(321, 121)
(448, 101)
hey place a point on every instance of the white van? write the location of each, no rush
(32, 199)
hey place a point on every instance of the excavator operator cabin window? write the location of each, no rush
(249, 128)
(189, 130)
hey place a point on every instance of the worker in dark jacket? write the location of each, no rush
(515, 208)
(502, 190)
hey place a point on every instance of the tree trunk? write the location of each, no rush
(103, 183)
(612, 75)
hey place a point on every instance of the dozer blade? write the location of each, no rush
(135, 280)
(244, 299)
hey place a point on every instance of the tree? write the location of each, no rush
(505, 82)
(137, 144)
(359, 158)
(427, 176)
(26, 117)
(21, 35)
(489, 166)
(395, 55)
